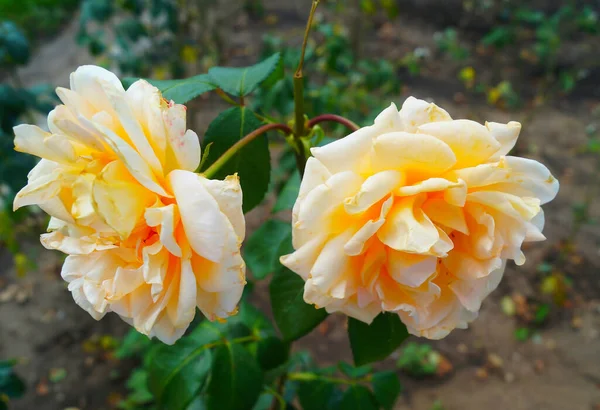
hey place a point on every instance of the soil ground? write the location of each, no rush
(62, 348)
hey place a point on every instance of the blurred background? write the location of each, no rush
(536, 344)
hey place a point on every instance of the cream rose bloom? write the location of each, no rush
(147, 238)
(416, 214)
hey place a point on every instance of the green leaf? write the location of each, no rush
(277, 75)
(374, 342)
(318, 395)
(242, 81)
(254, 319)
(354, 372)
(133, 344)
(358, 397)
(293, 316)
(181, 369)
(236, 379)
(264, 402)
(137, 384)
(10, 384)
(272, 352)
(14, 47)
(386, 388)
(289, 193)
(252, 162)
(188, 383)
(180, 91)
(262, 247)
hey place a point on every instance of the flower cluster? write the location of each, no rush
(147, 237)
(417, 215)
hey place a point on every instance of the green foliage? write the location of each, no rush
(11, 386)
(318, 395)
(287, 196)
(339, 82)
(354, 388)
(242, 81)
(139, 44)
(16, 104)
(38, 18)
(14, 47)
(215, 366)
(139, 395)
(358, 397)
(418, 360)
(251, 162)
(374, 342)
(522, 334)
(181, 91)
(386, 388)
(261, 251)
(447, 41)
(293, 316)
(236, 379)
(133, 344)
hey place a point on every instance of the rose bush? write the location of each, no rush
(416, 215)
(146, 237)
(405, 226)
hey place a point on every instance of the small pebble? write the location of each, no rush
(481, 373)
(539, 365)
(495, 361)
(462, 348)
(509, 377)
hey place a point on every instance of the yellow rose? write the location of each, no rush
(146, 237)
(416, 214)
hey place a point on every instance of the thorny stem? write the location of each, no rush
(212, 170)
(307, 376)
(299, 129)
(332, 118)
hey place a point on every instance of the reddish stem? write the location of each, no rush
(333, 118)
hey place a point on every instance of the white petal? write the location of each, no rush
(411, 152)
(119, 199)
(409, 269)
(356, 244)
(471, 142)
(314, 215)
(302, 260)
(472, 292)
(506, 135)
(352, 152)
(416, 112)
(333, 272)
(228, 194)
(147, 104)
(135, 163)
(206, 227)
(375, 188)
(182, 308)
(133, 129)
(167, 218)
(183, 147)
(33, 140)
(407, 228)
(428, 185)
(90, 82)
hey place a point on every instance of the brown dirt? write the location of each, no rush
(558, 369)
